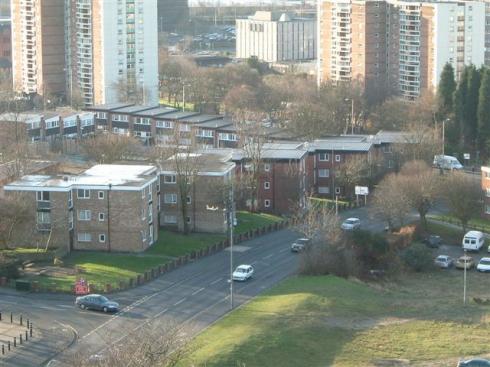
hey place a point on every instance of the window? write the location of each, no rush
(165, 124)
(84, 237)
(143, 236)
(324, 157)
(70, 199)
(267, 203)
(337, 157)
(70, 220)
(324, 190)
(324, 172)
(337, 190)
(170, 198)
(83, 194)
(101, 115)
(84, 215)
(188, 219)
(267, 167)
(169, 179)
(101, 194)
(487, 209)
(101, 217)
(43, 218)
(101, 238)
(171, 219)
(267, 185)
(42, 196)
(189, 200)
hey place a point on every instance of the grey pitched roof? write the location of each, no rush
(348, 146)
(108, 106)
(179, 115)
(199, 119)
(135, 108)
(216, 124)
(156, 111)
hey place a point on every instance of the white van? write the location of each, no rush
(473, 241)
(447, 162)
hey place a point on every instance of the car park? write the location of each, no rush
(243, 272)
(432, 241)
(478, 362)
(300, 244)
(484, 264)
(444, 261)
(96, 302)
(351, 224)
(465, 261)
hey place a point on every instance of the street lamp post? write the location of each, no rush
(443, 133)
(464, 280)
(351, 115)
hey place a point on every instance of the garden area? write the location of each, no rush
(101, 268)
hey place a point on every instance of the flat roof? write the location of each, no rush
(208, 163)
(120, 177)
(179, 115)
(216, 124)
(199, 119)
(134, 108)
(162, 110)
(108, 106)
(331, 144)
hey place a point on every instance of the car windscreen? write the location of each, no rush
(241, 270)
(485, 262)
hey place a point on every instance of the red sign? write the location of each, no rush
(81, 287)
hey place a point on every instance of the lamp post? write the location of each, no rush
(351, 114)
(464, 280)
(443, 133)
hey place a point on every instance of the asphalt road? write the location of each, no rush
(194, 295)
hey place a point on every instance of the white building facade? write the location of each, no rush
(276, 38)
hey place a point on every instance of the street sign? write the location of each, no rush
(466, 156)
(81, 287)
(362, 190)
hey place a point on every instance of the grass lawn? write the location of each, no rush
(475, 223)
(450, 234)
(248, 221)
(176, 244)
(328, 321)
(188, 106)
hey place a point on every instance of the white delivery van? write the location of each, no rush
(447, 162)
(473, 241)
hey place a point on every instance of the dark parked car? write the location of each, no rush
(96, 302)
(432, 241)
(474, 363)
(300, 244)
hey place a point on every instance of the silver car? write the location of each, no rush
(444, 261)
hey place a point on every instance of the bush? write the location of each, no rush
(9, 269)
(417, 257)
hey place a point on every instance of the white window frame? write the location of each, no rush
(102, 238)
(323, 157)
(173, 179)
(267, 167)
(324, 190)
(86, 194)
(267, 203)
(325, 171)
(337, 190)
(84, 237)
(40, 196)
(170, 198)
(101, 195)
(101, 217)
(337, 157)
(87, 215)
(44, 216)
(267, 185)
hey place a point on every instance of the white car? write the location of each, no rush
(444, 261)
(350, 224)
(484, 264)
(243, 272)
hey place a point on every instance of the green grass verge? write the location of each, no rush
(249, 221)
(475, 223)
(328, 321)
(188, 106)
(176, 244)
(450, 234)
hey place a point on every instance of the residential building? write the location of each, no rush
(207, 199)
(275, 37)
(5, 43)
(485, 186)
(172, 14)
(282, 179)
(38, 55)
(106, 208)
(399, 45)
(111, 50)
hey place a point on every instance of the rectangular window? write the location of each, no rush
(83, 194)
(324, 190)
(267, 185)
(337, 190)
(169, 179)
(324, 172)
(101, 194)
(101, 238)
(170, 198)
(165, 124)
(324, 157)
(171, 219)
(267, 203)
(189, 200)
(101, 217)
(84, 237)
(337, 157)
(267, 167)
(188, 219)
(101, 115)
(42, 196)
(70, 220)
(84, 215)
(43, 218)
(70, 199)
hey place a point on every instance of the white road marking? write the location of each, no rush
(179, 302)
(160, 313)
(198, 291)
(65, 306)
(283, 250)
(49, 308)
(268, 256)
(216, 281)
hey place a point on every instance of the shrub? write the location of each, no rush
(9, 269)
(417, 257)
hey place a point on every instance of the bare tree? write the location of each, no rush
(462, 194)
(420, 143)
(390, 201)
(356, 170)
(14, 209)
(108, 148)
(131, 91)
(421, 185)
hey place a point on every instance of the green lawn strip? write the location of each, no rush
(319, 321)
(177, 244)
(329, 202)
(100, 268)
(249, 221)
(177, 104)
(451, 235)
(22, 250)
(475, 223)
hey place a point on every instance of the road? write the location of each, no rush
(194, 295)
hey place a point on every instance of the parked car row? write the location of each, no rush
(462, 262)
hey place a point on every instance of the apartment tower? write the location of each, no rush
(400, 45)
(38, 46)
(111, 48)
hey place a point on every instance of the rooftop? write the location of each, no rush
(209, 163)
(156, 111)
(216, 124)
(179, 115)
(199, 119)
(108, 106)
(332, 144)
(120, 177)
(134, 108)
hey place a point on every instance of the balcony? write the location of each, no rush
(43, 205)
